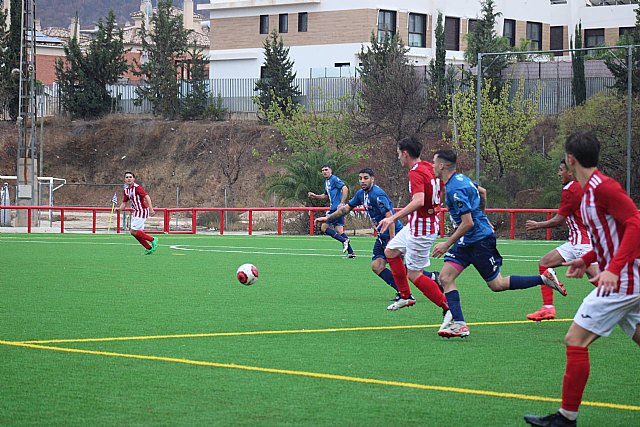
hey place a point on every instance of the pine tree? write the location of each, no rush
(277, 83)
(484, 39)
(83, 77)
(165, 44)
(393, 99)
(578, 81)
(441, 80)
(619, 67)
(194, 104)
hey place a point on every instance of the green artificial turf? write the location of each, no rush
(93, 332)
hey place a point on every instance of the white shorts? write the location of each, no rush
(137, 223)
(570, 252)
(601, 314)
(416, 249)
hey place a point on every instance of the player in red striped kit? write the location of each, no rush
(613, 223)
(414, 241)
(142, 209)
(577, 245)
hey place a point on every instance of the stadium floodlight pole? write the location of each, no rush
(478, 106)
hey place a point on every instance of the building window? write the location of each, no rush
(264, 24)
(386, 23)
(471, 25)
(509, 31)
(283, 23)
(594, 38)
(417, 30)
(556, 40)
(451, 33)
(534, 35)
(623, 31)
(303, 20)
(342, 64)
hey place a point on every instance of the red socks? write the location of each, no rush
(427, 286)
(547, 292)
(143, 238)
(431, 290)
(575, 377)
(400, 276)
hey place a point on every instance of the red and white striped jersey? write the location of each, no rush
(422, 179)
(570, 210)
(610, 215)
(135, 194)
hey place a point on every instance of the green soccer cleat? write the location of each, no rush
(154, 244)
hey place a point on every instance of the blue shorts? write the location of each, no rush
(483, 255)
(336, 222)
(378, 248)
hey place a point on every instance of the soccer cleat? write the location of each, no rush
(345, 245)
(398, 297)
(402, 303)
(154, 244)
(447, 318)
(351, 255)
(550, 279)
(454, 329)
(545, 313)
(553, 420)
(148, 251)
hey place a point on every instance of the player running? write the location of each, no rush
(378, 206)
(613, 222)
(472, 243)
(142, 209)
(414, 240)
(577, 245)
(337, 192)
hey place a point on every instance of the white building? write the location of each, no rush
(328, 34)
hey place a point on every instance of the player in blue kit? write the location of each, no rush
(472, 243)
(337, 192)
(378, 205)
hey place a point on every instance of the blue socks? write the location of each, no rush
(524, 282)
(453, 299)
(388, 277)
(333, 233)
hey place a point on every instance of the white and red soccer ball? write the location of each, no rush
(247, 274)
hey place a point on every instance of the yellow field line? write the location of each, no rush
(294, 331)
(320, 375)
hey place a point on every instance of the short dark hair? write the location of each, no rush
(411, 145)
(132, 174)
(585, 147)
(447, 155)
(368, 171)
(326, 165)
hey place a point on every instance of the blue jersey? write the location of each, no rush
(333, 188)
(462, 197)
(377, 204)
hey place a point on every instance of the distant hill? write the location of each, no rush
(58, 13)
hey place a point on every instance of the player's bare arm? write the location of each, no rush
(416, 202)
(392, 226)
(577, 268)
(483, 197)
(312, 195)
(344, 195)
(147, 200)
(466, 224)
(556, 221)
(340, 212)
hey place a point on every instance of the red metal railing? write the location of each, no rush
(167, 213)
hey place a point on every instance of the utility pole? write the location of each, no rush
(28, 144)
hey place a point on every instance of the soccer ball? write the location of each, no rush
(247, 274)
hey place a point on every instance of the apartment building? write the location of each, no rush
(325, 36)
